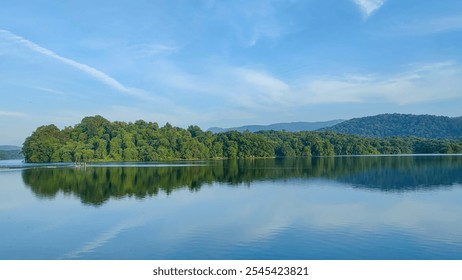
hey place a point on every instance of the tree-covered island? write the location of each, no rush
(97, 139)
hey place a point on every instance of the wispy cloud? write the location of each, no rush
(369, 6)
(432, 26)
(252, 21)
(261, 91)
(262, 80)
(179, 79)
(256, 90)
(421, 83)
(97, 74)
(49, 90)
(145, 50)
(446, 24)
(11, 114)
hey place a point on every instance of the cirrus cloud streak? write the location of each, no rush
(95, 73)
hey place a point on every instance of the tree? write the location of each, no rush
(97, 139)
(42, 144)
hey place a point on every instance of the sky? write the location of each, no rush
(225, 63)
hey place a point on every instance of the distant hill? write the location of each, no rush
(384, 125)
(9, 148)
(292, 127)
(10, 152)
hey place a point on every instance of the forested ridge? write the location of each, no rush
(292, 126)
(97, 139)
(385, 125)
(10, 152)
(13, 154)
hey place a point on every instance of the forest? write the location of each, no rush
(14, 154)
(96, 139)
(385, 125)
(10, 152)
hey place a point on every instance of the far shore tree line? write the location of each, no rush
(97, 139)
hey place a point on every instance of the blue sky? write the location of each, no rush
(225, 63)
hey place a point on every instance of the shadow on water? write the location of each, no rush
(95, 184)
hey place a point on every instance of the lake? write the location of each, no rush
(368, 207)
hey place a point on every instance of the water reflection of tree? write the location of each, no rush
(95, 185)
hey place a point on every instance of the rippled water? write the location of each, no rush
(404, 207)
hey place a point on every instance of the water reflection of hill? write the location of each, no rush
(95, 185)
(400, 174)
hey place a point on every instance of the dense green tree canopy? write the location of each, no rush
(97, 139)
(387, 125)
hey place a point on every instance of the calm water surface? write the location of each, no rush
(392, 207)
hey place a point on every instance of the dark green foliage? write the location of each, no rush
(387, 125)
(97, 139)
(43, 145)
